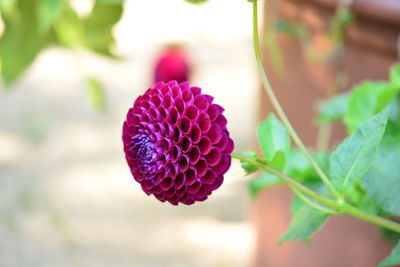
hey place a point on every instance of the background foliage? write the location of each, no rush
(33, 25)
(364, 168)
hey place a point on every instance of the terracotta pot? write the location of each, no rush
(370, 50)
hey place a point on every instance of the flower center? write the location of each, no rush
(144, 152)
(144, 149)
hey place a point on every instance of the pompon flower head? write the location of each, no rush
(176, 143)
(172, 64)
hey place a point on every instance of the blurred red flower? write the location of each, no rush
(172, 64)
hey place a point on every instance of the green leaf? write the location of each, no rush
(393, 258)
(248, 167)
(98, 27)
(297, 165)
(256, 186)
(315, 185)
(104, 15)
(305, 222)
(360, 199)
(355, 155)
(95, 93)
(390, 235)
(69, 28)
(395, 76)
(394, 116)
(8, 7)
(334, 109)
(274, 141)
(382, 181)
(278, 161)
(366, 100)
(322, 159)
(93, 32)
(20, 43)
(47, 12)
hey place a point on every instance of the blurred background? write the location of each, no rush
(71, 69)
(67, 195)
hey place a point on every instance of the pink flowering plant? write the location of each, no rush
(176, 139)
(178, 148)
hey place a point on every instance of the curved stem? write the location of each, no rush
(281, 114)
(289, 180)
(358, 213)
(338, 207)
(312, 203)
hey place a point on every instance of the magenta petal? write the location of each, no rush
(185, 124)
(215, 133)
(196, 90)
(186, 144)
(194, 155)
(204, 122)
(213, 157)
(223, 165)
(166, 184)
(183, 163)
(187, 96)
(201, 102)
(195, 133)
(201, 167)
(194, 188)
(209, 178)
(192, 112)
(205, 145)
(179, 104)
(191, 176)
(179, 181)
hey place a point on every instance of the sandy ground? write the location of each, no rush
(67, 196)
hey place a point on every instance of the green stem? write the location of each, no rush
(281, 114)
(289, 180)
(312, 203)
(342, 207)
(360, 214)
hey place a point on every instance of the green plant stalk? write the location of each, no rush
(281, 114)
(290, 181)
(334, 205)
(312, 203)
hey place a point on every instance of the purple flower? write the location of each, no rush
(176, 143)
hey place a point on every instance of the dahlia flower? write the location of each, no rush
(172, 64)
(176, 143)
